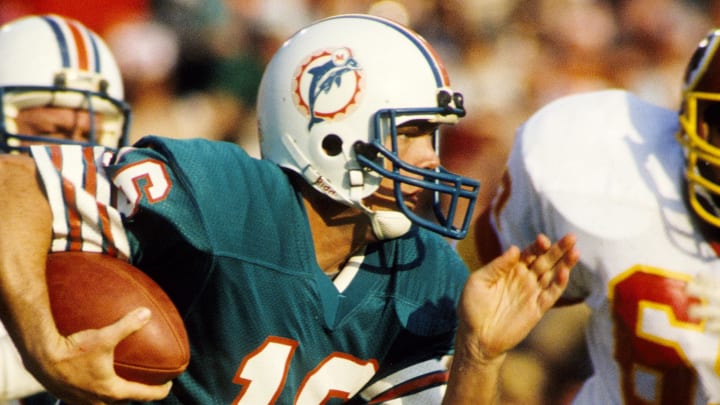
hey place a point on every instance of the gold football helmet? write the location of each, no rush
(699, 132)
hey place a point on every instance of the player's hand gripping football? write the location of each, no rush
(79, 369)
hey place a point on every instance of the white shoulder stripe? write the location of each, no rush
(53, 190)
(399, 377)
(429, 396)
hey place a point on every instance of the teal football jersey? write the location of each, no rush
(227, 236)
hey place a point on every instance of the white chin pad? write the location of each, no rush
(389, 224)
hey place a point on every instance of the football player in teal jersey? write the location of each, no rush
(304, 277)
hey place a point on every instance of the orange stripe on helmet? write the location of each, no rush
(80, 45)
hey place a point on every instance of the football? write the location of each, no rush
(92, 290)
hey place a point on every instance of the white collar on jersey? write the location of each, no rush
(345, 276)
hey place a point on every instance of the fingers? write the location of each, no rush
(706, 288)
(124, 393)
(90, 362)
(551, 263)
(501, 264)
(542, 245)
(710, 314)
(545, 267)
(541, 257)
(108, 337)
(699, 311)
(147, 393)
(535, 249)
(546, 279)
(128, 324)
(548, 257)
(121, 329)
(553, 284)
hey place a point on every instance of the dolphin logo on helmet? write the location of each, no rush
(329, 105)
(326, 71)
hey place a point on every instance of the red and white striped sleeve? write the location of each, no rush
(82, 199)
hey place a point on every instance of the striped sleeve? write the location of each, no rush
(81, 200)
(421, 383)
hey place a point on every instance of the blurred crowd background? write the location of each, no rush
(192, 69)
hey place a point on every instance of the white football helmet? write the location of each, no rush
(331, 96)
(50, 60)
(699, 117)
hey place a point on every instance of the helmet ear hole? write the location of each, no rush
(332, 144)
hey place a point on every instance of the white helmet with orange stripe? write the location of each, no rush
(53, 61)
(329, 105)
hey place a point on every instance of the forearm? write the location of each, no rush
(25, 233)
(474, 378)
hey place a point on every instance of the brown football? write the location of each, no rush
(92, 290)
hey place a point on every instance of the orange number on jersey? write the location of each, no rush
(650, 314)
(263, 372)
(256, 367)
(144, 179)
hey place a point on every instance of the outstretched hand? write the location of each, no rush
(500, 304)
(506, 298)
(79, 369)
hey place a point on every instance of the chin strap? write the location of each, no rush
(388, 224)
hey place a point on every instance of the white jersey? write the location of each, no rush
(15, 381)
(606, 167)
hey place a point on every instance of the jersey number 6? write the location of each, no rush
(652, 327)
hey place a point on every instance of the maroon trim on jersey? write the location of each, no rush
(421, 383)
